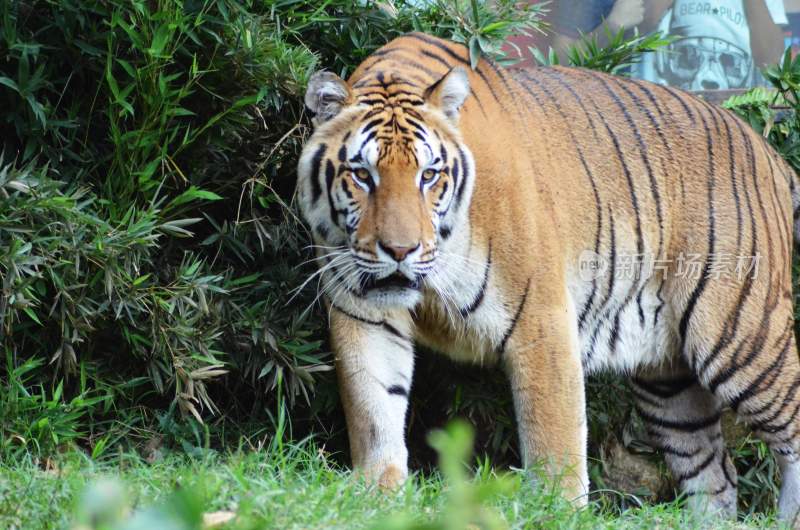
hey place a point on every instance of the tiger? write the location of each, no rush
(558, 222)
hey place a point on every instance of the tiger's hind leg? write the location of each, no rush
(766, 395)
(683, 420)
(755, 371)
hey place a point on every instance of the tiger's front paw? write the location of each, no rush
(387, 476)
(391, 478)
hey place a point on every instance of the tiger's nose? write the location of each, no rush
(398, 252)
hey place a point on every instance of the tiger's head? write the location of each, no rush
(383, 181)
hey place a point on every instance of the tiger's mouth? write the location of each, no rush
(396, 280)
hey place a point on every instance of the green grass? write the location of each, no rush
(287, 487)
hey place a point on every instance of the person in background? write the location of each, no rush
(571, 19)
(719, 44)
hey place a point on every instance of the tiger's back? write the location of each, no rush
(659, 181)
(647, 171)
(587, 222)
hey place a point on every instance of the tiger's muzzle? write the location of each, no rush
(396, 270)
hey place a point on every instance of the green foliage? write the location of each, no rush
(614, 57)
(483, 27)
(146, 177)
(756, 97)
(758, 475)
(775, 113)
(126, 240)
(756, 107)
(35, 420)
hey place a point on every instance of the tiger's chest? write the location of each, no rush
(464, 319)
(457, 342)
(621, 325)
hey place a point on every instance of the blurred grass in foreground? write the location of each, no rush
(297, 487)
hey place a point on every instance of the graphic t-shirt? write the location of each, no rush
(712, 47)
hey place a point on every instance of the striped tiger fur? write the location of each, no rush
(490, 214)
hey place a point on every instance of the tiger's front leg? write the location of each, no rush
(546, 374)
(374, 365)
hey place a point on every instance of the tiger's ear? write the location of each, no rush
(449, 92)
(327, 94)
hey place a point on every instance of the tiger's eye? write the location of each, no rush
(361, 175)
(429, 175)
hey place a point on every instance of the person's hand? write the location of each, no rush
(625, 14)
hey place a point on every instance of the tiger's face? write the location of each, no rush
(382, 182)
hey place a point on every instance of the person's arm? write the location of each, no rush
(766, 37)
(625, 14)
(653, 13)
